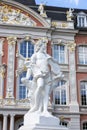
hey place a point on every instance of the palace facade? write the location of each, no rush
(22, 23)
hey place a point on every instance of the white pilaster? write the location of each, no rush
(11, 65)
(1, 69)
(75, 122)
(1, 86)
(74, 107)
(12, 122)
(5, 122)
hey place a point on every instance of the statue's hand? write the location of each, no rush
(23, 80)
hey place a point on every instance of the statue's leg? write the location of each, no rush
(46, 99)
(38, 95)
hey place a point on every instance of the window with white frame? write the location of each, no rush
(59, 53)
(83, 87)
(26, 49)
(59, 94)
(81, 19)
(82, 54)
(84, 127)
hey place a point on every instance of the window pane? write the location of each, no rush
(63, 97)
(60, 93)
(81, 21)
(30, 49)
(23, 49)
(85, 126)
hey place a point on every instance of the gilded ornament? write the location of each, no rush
(10, 15)
(12, 40)
(25, 68)
(64, 24)
(71, 46)
(5, 18)
(61, 118)
(54, 24)
(3, 70)
(27, 38)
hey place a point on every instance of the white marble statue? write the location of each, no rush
(70, 14)
(42, 11)
(46, 73)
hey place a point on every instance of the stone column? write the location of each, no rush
(2, 69)
(12, 122)
(74, 107)
(10, 69)
(5, 122)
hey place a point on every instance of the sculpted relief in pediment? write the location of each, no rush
(10, 15)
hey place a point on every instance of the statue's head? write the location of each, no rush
(41, 44)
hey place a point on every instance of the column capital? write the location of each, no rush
(2, 40)
(12, 114)
(11, 40)
(71, 46)
(5, 114)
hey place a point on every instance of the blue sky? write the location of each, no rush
(82, 4)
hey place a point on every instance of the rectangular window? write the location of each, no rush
(81, 20)
(82, 52)
(59, 53)
(60, 96)
(83, 86)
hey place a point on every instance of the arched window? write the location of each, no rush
(22, 88)
(84, 126)
(60, 93)
(59, 53)
(26, 49)
(83, 87)
(82, 54)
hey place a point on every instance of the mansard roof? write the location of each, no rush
(58, 13)
(55, 13)
(27, 2)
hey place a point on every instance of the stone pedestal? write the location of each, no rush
(35, 121)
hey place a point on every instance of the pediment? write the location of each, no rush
(14, 13)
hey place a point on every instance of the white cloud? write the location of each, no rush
(75, 1)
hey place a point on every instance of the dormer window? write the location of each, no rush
(81, 20)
